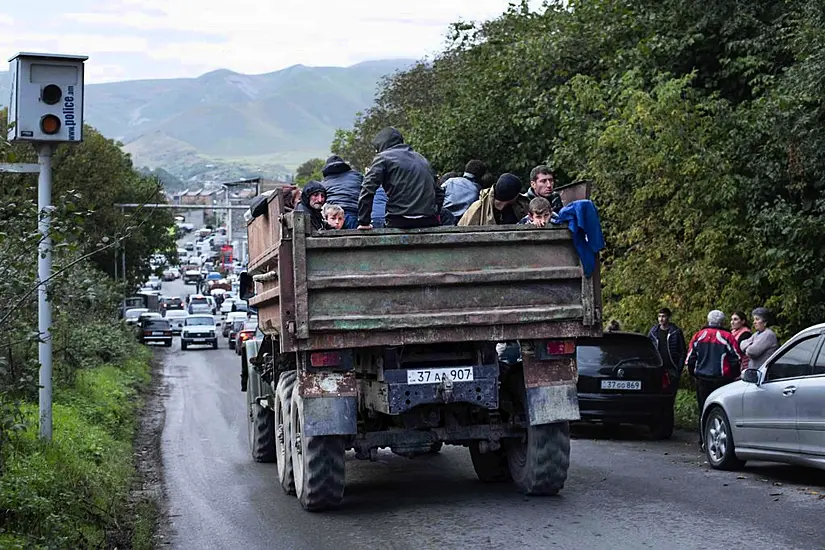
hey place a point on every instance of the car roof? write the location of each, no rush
(201, 316)
(177, 313)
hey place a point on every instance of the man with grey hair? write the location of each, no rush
(713, 358)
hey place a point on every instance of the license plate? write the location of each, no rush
(621, 384)
(199, 340)
(157, 334)
(435, 376)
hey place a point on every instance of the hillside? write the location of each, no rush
(226, 124)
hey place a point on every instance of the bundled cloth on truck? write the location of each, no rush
(582, 219)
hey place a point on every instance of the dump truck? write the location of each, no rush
(387, 339)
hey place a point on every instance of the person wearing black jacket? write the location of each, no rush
(669, 340)
(313, 197)
(413, 197)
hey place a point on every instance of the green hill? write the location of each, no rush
(225, 123)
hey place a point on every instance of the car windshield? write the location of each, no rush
(200, 321)
(611, 350)
(238, 324)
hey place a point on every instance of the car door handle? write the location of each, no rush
(789, 391)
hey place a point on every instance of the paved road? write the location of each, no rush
(622, 493)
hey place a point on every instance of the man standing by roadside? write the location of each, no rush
(713, 358)
(670, 342)
(542, 182)
(413, 197)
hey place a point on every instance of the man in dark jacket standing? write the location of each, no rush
(343, 185)
(413, 197)
(713, 358)
(670, 342)
(313, 197)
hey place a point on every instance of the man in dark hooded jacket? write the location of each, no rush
(313, 198)
(413, 197)
(343, 185)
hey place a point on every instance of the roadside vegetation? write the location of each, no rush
(75, 491)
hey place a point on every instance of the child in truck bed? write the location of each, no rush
(333, 216)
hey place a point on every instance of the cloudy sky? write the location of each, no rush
(135, 39)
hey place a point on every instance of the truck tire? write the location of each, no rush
(318, 464)
(261, 423)
(283, 441)
(490, 467)
(539, 464)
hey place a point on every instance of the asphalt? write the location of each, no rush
(622, 492)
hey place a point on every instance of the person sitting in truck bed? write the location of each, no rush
(313, 198)
(538, 213)
(501, 204)
(462, 191)
(413, 198)
(334, 216)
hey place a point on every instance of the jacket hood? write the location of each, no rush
(335, 165)
(386, 138)
(311, 188)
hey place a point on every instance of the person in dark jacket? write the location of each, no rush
(670, 342)
(542, 182)
(713, 358)
(413, 197)
(313, 197)
(343, 185)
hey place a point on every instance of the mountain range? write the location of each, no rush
(225, 124)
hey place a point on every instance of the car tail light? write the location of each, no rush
(168, 333)
(245, 335)
(326, 359)
(561, 347)
(147, 332)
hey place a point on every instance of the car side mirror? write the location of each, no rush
(247, 285)
(751, 376)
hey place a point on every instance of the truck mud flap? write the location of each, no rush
(329, 402)
(395, 395)
(551, 390)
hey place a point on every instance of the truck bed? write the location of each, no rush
(350, 289)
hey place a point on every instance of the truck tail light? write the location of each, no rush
(326, 359)
(561, 347)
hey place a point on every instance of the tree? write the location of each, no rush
(308, 171)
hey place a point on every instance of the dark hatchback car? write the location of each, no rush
(171, 302)
(156, 330)
(622, 381)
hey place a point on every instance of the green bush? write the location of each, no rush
(73, 492)
(686, 411)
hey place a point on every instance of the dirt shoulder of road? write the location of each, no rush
(152, 526)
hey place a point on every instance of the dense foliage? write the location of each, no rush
(700, 123)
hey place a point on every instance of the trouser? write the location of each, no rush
(705, 387)
(400, 222)
(350, 219)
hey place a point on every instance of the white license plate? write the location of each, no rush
(157, 334)
(621, 384)
(436, 376)
(199, 341)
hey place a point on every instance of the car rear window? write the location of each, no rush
(250, 326)
(198, 301)
(612, 349)
(157, 324)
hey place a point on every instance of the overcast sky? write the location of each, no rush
(135, 39)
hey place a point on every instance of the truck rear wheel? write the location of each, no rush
(318, 464)
(283, 446)
(261, 423)
(539, 464)
(490, 467)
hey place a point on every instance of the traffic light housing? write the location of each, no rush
(46, 103)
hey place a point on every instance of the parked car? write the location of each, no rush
(176, 318)
(131, 315)
(775, 413)
(189, 247)
(231, 317)
(199, 330)
(622, 380)
(247, 331)
(155, 330)
(168, 303)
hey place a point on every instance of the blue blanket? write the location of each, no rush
(583, 221)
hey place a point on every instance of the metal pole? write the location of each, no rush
(228, 218)
(44, 270)
(123, 250)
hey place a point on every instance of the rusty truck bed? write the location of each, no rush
(349, 289)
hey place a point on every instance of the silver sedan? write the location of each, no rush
(775, 413)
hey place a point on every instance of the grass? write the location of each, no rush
(686, 411)
(73, 492)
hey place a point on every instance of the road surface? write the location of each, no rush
(621, 493)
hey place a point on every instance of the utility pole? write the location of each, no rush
(44, 271)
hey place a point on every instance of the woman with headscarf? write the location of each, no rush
(763, 342)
